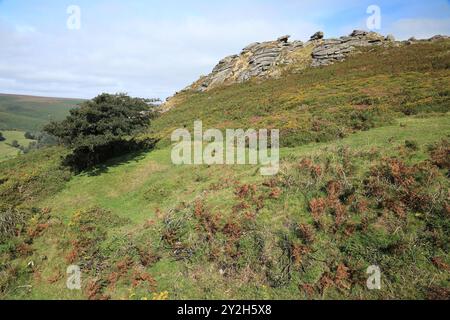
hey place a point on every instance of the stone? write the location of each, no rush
(269, 59)
(335, 50)
(358, 33)
(297, 44)
(317, 36)
(390, 38)
(250, 47)
(438, 37)
(284, 39)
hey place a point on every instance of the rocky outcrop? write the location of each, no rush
(257, 60)
(271, 59)
(317, 36)
(439, 37)
(334, 50)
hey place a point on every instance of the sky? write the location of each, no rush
(153, 48)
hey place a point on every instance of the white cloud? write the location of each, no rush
(144, 58)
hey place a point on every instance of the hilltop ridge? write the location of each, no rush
(271, 59)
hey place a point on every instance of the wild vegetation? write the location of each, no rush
(102, 128)
(322, 104)
(364, 181)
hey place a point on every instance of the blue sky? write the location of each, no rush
(153, 48)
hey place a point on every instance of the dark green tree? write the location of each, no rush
(102, 128)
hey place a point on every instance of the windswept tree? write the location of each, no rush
(102, 128)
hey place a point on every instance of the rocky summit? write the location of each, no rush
(269, 59)
(272, 58)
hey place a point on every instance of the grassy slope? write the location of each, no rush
(319, 104)
(6, 151)
(29, 113)
(147, 187)
(133, 250)
(139, 189)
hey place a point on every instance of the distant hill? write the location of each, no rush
(29, 113)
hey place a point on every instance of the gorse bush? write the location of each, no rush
(102, 128)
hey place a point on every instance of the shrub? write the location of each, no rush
(28, 135)
(2, 138)
(15, 144)
(102, 128)
(399, 187)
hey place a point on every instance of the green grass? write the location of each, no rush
(137, 189)
(6, 150)
(319, 104)
(357, 136)
(27, 113)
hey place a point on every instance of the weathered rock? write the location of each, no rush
(390, 37)
(334, 50)
(411, 41)
(257, 60)
(438, 37)
(250, 47)
(297, 44)
(317, 36)
(270, 59)
(284, 38)
(358, 33)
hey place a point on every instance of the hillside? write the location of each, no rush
(321, 104)
(28, 113)
(364, 181)
(7, 151)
